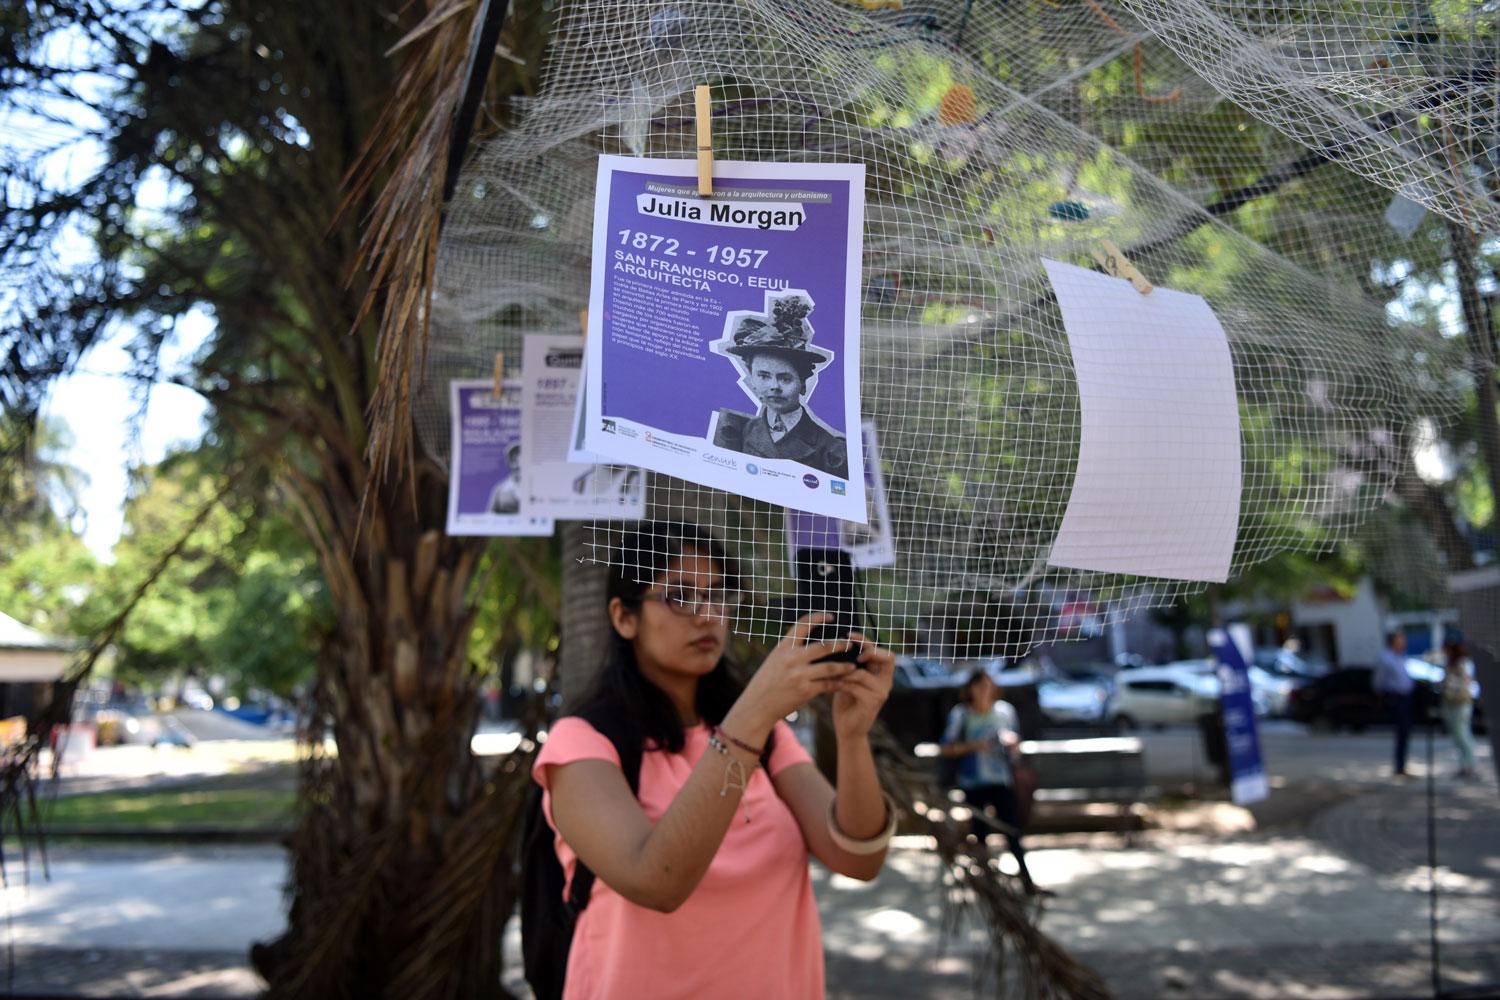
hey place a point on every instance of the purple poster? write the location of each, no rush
(869, 545)
(555, 487)
(723, 343)
(484, 473)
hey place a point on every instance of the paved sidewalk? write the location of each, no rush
(147, 898)
(1327, 898)
(1328, 902)
(96, 972)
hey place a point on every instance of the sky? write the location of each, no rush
(98, 406)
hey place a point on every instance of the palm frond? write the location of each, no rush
(405, 159)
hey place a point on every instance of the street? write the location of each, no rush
(1322, 891)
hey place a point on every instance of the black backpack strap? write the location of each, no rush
(627, 742)
(630, 751)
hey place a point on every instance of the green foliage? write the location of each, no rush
(46, 572)
(199, 805)
(243, 600)
(46, 575)
(516, 604)
(1472, 491)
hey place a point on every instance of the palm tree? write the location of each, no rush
(251, 115)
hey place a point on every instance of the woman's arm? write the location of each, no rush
(950, 745)
(1009, 734)
(652, 865)
(962, 748)
(859, 809)
(658, 865)
(859, 805)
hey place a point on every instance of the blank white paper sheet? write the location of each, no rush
(1157, 492)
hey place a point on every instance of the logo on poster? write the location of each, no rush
(752, 468)
(810, 481)
(839, 487)
(648, 435)
(721, 461)
(609, 426)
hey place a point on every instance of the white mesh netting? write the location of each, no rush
(994, 134)
(1406, 94)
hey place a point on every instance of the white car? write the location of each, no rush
(1175, 694)
(1270, 693)
(1066, 701)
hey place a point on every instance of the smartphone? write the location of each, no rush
(825, 583)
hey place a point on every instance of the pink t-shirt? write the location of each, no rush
(750, 928)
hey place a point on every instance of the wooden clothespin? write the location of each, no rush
(499, 372)
(705, 140)
(1117, 265)
(583, 321)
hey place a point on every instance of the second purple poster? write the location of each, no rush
(723, 342)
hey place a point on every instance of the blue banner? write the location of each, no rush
(1247, 769)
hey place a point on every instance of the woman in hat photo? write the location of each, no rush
(778, 364)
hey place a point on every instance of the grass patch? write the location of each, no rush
(181, 808)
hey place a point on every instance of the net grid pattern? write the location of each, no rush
(976, 122)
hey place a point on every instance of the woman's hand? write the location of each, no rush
(860, 694)
(789, 678)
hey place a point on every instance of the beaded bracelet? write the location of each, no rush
(756, 752)
(734, 772)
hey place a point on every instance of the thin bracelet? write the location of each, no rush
(756, 752)
(734, 772)
(875, 844)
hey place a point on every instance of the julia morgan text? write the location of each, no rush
(787, 218)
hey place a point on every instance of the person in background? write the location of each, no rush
(1395, 685)
(983, 733)
(1458, 704)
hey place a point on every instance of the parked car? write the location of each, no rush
(1077, 694)
(1284, 663)
(1270, 692)
(1346, 698)
(196, 698)
(1173, 694)
(1070, 702)
(1343, 699)
(1003, 670)
(925, 674)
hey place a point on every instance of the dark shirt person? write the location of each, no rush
(1395, 685)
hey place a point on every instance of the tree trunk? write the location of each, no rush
(1480, 340)
(401, 870)
(1432, 507)
(585, 626)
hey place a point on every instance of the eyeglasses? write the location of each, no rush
(688, 603)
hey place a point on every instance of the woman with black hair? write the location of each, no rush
(703, 887)
(983, 734)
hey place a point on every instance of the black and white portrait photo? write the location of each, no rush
(505, 498)
(778, 369)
